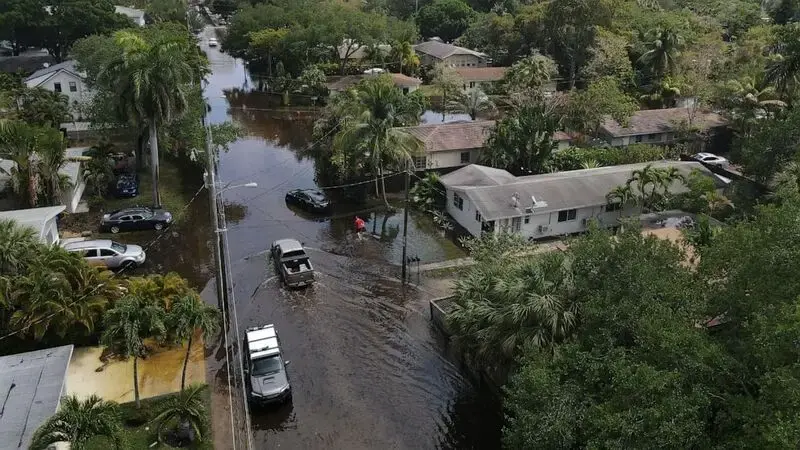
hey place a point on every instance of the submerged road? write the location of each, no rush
(367, 368)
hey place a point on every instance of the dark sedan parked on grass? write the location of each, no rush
(136, 218)
(127, 185)
(309, 200)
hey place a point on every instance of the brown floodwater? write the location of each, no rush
(368, 369)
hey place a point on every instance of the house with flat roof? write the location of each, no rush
(488, 200)
(658, 126)
(41, 220)
(66, 79)
(31, 385)
(434, 52)
(403, 82)
(456, 144)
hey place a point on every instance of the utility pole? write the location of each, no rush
(211, 185)
(405, 221)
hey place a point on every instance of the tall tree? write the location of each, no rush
(79, 421)
(523, 141)
(472, 102)
(447, 82)
(188, 316)
(586, 109)
(127, 325)
(151, 80)
(21, 22)
(445, 19)
(662, 52)
(784, 69)
(528, 76)
(69, 20)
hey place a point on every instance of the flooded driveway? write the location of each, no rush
(367, 368)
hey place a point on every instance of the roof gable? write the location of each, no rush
(66, 66)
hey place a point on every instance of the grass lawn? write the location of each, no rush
(141, 437)
(174, 195)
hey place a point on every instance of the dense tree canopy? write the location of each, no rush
(445, 19)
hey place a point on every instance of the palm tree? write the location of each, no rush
(662, 51)
(18, 144)
(127, 325)
(152, 82)
(188, 409)
(503, 307)
(373, 132)
(78, 421)
(784, 69)
(404, 55)
(187, 316)
(472, 102)
(622, 195)
(653, 184)
(17, 247)
(51, 157)
(528, 75)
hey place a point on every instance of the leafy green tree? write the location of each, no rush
(784, 69)
(38, 106)
(51, 146)
(407, 60)
(522, 142)
(224, 8)
(493, 34)
(20, 23)
(427, 193)
(528, 76)
(167, 11)
(188, 316)
(127, 325)
(152, 80)
(70, 20)
(266, 43)
(771, 145)
(447, 83)
(587, 109)
(79, 421)
(473, 102)
(17, 246)
(187, 409)
(313, 81)
(445, 19)
(609, 58)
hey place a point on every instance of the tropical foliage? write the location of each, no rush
(186, 412)
(78, 421)
(522, 142)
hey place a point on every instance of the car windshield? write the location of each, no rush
(316, 196)
(119, 248)
(266, 366)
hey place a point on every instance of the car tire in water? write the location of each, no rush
(115, 230)
(127, 265)
(159, 226)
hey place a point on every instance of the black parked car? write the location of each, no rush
(308, 199)
(136, 218)
(127, 185)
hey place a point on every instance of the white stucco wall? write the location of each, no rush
(451, 158)
(465, 61)
(653, 139)
(466, 216)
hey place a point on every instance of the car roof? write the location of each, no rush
(288, 245)
(316, 194)
(132, 210)
(88, 244)
(706, 154)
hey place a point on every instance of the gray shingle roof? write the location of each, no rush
(654, 121)
(439, 137)
(69, 66)
(440, 50)
(31, 385)
(553, 191)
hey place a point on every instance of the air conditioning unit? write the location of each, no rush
(544, 228)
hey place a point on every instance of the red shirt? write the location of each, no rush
(360, 223)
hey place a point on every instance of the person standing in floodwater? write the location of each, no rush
(360, 225)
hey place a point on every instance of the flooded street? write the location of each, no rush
(368, 370)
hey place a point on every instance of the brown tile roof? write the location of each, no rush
(343, 83)
(440, 137)
(653, 121)
(481, 73)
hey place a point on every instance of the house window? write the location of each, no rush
(527, 219)
(464, 157)
(57, 87)
(639, 138)
(516, 224)
(458, 202)
(611, 207)
(471, 84)
(420, 162)
(478, 216)
(653, 137)
(567, 215)
(73, 86)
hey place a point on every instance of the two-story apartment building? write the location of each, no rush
(658, 126)
(458, 144)
(65, 79)
(487, 200)
(435, 52)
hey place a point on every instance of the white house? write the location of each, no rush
(41, 220)
(434, 52)
(457, 144)
(487, 200)
(64, 78)
(136, 15)
(657, 126)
